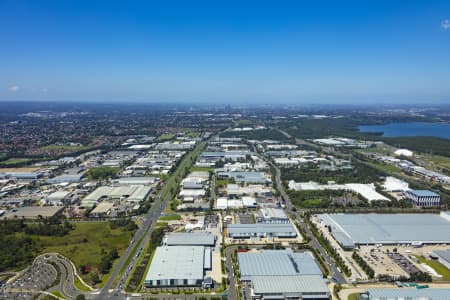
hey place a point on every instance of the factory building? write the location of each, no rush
(190, 239)
(271, 215)
(387, 229)
(174, 266)
(423, 198)
(261, 230)
(282, 274)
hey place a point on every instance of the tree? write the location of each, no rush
(80, 297)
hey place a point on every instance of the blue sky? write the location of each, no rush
(225, 51)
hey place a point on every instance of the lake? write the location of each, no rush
(410, 129)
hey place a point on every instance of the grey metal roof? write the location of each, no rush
(443, 254)
(260, 228)
(277, 263)
(177, 262)
(388, 228)
(297, 284)
(414, 293)
(191, 239)
(423, 193)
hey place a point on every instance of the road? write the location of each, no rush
(232, 291)
(335, 274)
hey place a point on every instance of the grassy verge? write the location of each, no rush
(80, 285)
(166, 136)
(58, 294)
(201, 169)
(171, 217)
(14, 161)
(437, 266)
(353, 296)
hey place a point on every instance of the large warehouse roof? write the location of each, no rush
(388, 228)
(177, 262)
(281, 273)
(32, 212)
(260, 228)
(191, 239)
(306, 284)
(277, 262)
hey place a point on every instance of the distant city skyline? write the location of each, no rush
(237, 52)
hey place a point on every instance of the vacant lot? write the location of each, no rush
(86, 244)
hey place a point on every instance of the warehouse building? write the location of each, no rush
(271, 215)
(282, 274)
(34, 212)
(190, 239)
(423, 198)
(130, 194)
(261, 230)
(245, 177)
(174, 266)
(59, 198)
(387, 229)
(141, 180)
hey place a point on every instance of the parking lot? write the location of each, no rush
(379, 260)
(404, 263)
(40, 276)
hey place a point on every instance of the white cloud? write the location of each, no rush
(445, 24)
(14, 88)
(44, 90)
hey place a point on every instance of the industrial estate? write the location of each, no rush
(223, 205)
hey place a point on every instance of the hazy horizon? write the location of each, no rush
(218, 53)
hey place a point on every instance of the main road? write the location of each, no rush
(335, 274)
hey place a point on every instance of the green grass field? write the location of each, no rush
(80, 285)
(202, 169)
(84, 244)
(166, 136)
(58, 294)
(63, 148)
(172, 217)
(354, 296)
(437, 266)
(14, 161)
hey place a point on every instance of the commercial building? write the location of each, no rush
(178, 266)
(130, 194)
(390, 229)
(393, 184)
(423, 198)
(190, 239)
(261, 230)
(245, 177)
(136, 180)
(282, 274)
(368, 191)
(271, 215)
(59, 197)
(250, 190)
(34, 212)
